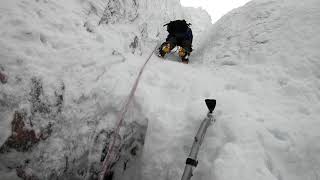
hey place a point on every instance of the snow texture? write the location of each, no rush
(65, 77)
(60, 69)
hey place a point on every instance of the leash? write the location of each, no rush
(113, 149)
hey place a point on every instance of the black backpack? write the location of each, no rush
(177, 26)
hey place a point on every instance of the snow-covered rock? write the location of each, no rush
(66, 76)
(69, 65)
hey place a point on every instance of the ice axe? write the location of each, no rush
(192, 161)
(211, 104)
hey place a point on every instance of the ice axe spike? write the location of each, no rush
(211, 104)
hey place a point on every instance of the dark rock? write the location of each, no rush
(134, 44)
(59, 94)
(3, 78)
(36, 97)
(22, 138)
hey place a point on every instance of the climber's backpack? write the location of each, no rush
(177, 26)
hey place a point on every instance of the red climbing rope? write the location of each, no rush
(113, 147)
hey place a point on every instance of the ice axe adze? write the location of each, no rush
(192, 161)
(211, 104)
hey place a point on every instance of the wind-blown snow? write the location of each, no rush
(259, 61)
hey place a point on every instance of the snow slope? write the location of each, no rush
(268, 50)
(259, 61)
(66, 72)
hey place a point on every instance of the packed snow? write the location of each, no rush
(62, 70)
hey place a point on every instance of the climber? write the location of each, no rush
(180, 34)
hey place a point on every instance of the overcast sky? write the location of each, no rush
(216, 8)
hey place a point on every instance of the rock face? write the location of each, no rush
(147, 14)
(22, 138)
(23, 132)
(115, 11)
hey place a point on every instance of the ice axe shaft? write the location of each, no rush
(192, 161)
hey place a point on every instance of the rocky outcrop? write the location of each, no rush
(116, 10)
(23, 138)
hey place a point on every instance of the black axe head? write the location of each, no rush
(211, 104)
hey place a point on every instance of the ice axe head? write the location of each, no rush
(211, 104)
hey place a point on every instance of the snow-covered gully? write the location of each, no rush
(113, 151)
(64, 79)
